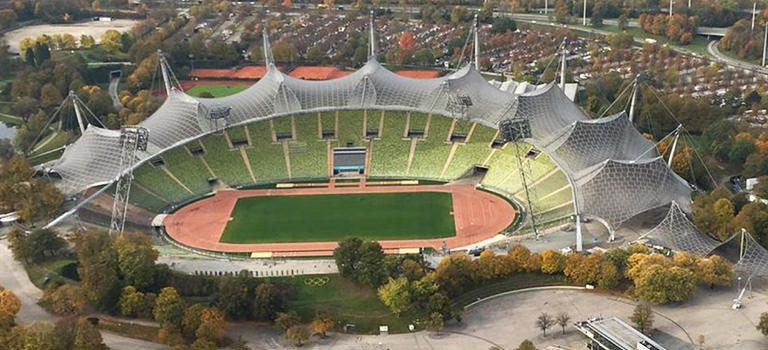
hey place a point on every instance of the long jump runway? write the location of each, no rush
(478, 215)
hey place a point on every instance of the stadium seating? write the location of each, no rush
(309, 153)
(184, 175)
(473, 152)
(390, 153)
(431, 152)
(189, 169)
(226, 163)
(266, 157)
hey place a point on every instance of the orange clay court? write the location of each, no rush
(476, 215)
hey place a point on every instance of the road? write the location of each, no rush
(713, 50)
(114, 84)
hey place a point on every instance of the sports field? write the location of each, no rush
(333, 217)
(216, 90)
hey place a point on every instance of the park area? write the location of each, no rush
(311, 218)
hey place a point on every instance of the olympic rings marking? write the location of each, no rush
(316, 281)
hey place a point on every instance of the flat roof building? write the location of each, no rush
(614, 334)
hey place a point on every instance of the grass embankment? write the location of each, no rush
(52, 272)
(216, 90)
(351, 303)
(376, 216)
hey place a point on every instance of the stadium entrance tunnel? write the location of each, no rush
(310, 148)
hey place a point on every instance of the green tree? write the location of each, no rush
(98, 269)
(235, 297)
(642, 317)
(552, 262)
(503, 25)
(268, 302)
(370, 269)
(347, 256)
(169, 308)
(544, 322)
(50, 96)
(131, 301)
(396, 295)
(136, 259)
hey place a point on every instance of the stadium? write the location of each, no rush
(288, 167)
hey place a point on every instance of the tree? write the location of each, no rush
(234, 297)
(170, 335)
(396, 295)
(87, 41)
(526, 345)
(98, 269)
(111, 40)
(762, 326)
(297, 334)
(715, 271)
(32, 198)
(66, 299)
(136, 258)
(544, 322)
(50, 96)
(191, 320)
(35, 246)
(642, 317)
(552, 262)
(562, 320)
(286, 320)
(435, 322)
(346, 256)
(7, 18)
(87, 337)
(212, 325)
(370, 269)
(268, 302)
(322, 323)
(169, 308)
(623, 22)
(503, 25)
(9, 307)
(131, 302)
(203, 344)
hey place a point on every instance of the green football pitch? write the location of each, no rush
(216, 90)
(313, 218)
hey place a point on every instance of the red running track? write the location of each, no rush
(478, 216)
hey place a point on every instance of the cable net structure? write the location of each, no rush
(616, 173)
(751, 258)
(677, 232)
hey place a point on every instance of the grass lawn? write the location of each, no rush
(347, 302)
(378, 216)
(49, 273)
(216, 90)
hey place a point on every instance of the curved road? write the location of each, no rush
(714, 51)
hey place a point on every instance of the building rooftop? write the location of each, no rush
(418, 74)
(613, 333)
(318, 73)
